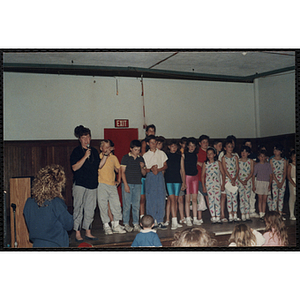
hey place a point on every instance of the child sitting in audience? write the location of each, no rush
(275, 232)
(193, 237)
(244, 236)
(147, 236)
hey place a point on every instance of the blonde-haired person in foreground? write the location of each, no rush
(193, 237)
(244, 236)
(46, 214)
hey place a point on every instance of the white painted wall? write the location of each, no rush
(276, 98)
(43, 106)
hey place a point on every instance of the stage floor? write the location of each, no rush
(220, 232)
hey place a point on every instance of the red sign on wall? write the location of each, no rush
(122, 123)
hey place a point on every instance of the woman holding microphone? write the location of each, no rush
(85, 162)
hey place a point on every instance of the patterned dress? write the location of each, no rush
(213, 187)
(245, 190)
(278, 194)
(231, 196)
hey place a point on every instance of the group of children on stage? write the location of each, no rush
(210, 173)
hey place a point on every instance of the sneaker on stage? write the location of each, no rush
(107, 230)
(136, 227)
(213, 220)
(183, 221)
(161, 226)
(189, 221)
(197, 222)
(254, 215)
(128, 228)
(118, 229)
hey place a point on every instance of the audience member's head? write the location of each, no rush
(147, 222)
(48, 184)
(192, 237)
(242, 236)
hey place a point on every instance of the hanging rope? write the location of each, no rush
(143, 99)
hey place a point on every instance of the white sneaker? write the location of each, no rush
(118, 229)
(219, 221)
(243, 218)
(107, 230)
(188, 221)
(175, 225)
(230, 219)
(128, 228)
(166, 223)
(183, 221)
(136, 227)
(213, 220)
(197, 222)
(224, 220)
(293, 218)
(254, 215)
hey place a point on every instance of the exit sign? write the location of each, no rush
(121, 123)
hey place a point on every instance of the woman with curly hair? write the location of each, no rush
(193, 237)
(46, 214)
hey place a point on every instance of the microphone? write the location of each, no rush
(88, 146)
(14, 206)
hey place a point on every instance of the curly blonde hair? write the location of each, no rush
(242, 236)
(48, 184)
(193, 237)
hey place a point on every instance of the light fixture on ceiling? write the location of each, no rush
(244, 53)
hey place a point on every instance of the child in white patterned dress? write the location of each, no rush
(245, 182)
(278, 164)
(231, 168)
(212, 171)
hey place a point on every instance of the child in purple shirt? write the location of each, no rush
(262, 187)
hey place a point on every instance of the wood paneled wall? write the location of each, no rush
(25, 158)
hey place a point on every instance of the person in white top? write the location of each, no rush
(155, 164)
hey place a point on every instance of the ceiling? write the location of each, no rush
(232, 65)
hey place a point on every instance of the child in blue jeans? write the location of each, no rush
(133, 167)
